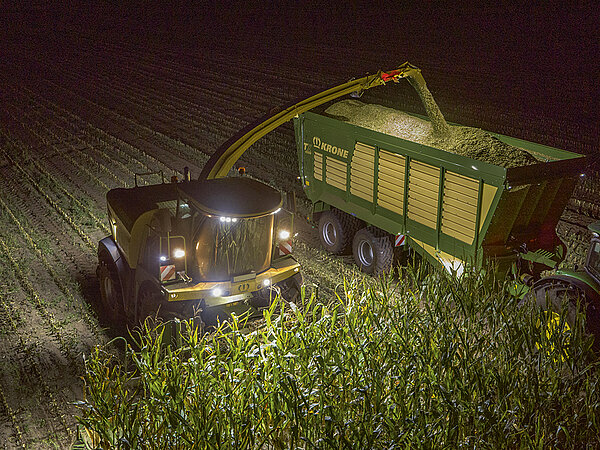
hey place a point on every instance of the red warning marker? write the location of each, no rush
(285, 247)
(167, 273)
(400, 240)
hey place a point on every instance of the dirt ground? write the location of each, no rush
(84, 107)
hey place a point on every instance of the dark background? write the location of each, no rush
(535, 62)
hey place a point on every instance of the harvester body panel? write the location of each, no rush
(207, 242)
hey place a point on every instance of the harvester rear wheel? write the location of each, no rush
(110, 289)
(372, 251)
(336, 230)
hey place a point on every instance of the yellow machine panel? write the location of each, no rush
(335, 173)
(390, 193)
(362, 170)
(489, 192)
(318, 157)
(459, 207)
(424, 182)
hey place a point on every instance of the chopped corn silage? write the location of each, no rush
(467, 141)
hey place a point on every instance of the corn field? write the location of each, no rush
(431, 362)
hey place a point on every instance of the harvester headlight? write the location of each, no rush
(222, 219)
(217, 292)
(284, 234)
(267, 282)
(234, 219)
(163, 258)
(179, 253)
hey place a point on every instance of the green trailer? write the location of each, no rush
(373, 192)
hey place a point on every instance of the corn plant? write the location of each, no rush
(428, 361)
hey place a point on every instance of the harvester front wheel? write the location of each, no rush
(372, 251)
(149, 303)
(291, 289)
(110, 289)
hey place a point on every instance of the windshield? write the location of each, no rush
(226, 247)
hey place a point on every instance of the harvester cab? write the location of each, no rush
(196, 248)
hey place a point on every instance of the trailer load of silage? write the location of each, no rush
(466, 141)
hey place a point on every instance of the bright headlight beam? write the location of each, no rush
(284, 234)
(179, 253)
(217, 292)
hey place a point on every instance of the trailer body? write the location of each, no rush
(451, 209)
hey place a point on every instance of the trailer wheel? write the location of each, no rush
(110, 289)
(336, 230)
(373, 252)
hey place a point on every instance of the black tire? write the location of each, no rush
(111, 293)
(150, 304)
(372, 251)
(551, 295)
(291, 289)
(336, 230)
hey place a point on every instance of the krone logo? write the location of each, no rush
(334, 150)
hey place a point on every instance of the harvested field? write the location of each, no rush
(91, 95)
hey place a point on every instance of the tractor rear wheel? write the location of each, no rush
(336, 230)
(550, 296)
(110, 289)
(372, 251)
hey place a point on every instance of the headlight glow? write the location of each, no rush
(179, 253)
(217, 292)
(267, 282)
(284, 234)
